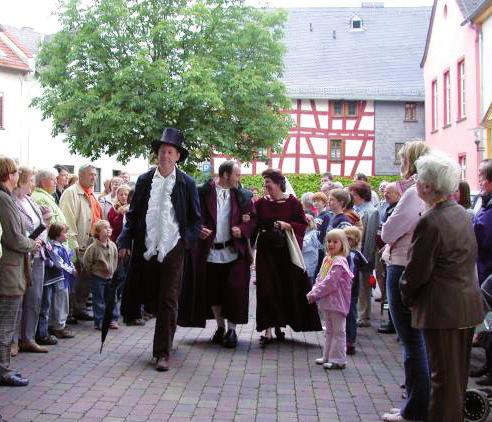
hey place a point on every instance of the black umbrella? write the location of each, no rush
(110, 296)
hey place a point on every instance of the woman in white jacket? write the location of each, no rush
(397, 233)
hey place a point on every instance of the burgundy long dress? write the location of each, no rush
(281, 286)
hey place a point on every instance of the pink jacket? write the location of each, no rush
(333, 292)
(398, 230)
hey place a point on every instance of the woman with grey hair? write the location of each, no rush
(307, 202)
(440, 285)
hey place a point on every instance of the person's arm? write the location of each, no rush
(249, 227)
(13, 238)
(329, 285)
(67, 205)
(127, 234)
(404, 217)
(88, 260)
(193, 224)
(369, 248)
(483, 234)
(423, 252)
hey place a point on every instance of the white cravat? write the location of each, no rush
(162, 226)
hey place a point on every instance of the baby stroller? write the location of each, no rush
(478, 400)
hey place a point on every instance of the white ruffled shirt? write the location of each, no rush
(223, 234)
(162, 226)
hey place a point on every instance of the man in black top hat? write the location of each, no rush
(163, 221)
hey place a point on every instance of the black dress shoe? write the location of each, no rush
(279, 334)
(230, 339)
(47, 341)
(71, 320)
(84, 316)
(13, 380)
(218, 336)
(480, 372)
(350, 349)
(486, 380)
(386, 329)
(139, 322)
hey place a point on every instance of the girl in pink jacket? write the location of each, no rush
(332, 293)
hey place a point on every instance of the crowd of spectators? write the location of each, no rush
(418, 242)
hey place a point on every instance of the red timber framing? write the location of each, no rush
(353, 135)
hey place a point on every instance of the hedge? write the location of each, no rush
(311, 182)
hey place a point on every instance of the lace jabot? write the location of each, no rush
(162, 227)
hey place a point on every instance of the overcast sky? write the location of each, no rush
(40, 14)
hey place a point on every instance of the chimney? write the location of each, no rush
(310, 27)
(334, 34)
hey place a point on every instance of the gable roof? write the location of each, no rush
(480, 7)
(13, 55)
(467, 7)
(325, 59)
(27, 37)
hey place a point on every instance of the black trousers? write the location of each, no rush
(217, 278)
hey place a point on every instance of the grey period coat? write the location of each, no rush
(440, 281)
(15, 261)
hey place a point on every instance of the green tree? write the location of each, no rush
(120, 71)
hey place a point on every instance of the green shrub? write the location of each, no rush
(311, 182)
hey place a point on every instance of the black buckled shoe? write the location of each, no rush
(386, 329)
(12, 379)
(279, 334)
(230, 339)
(218, 336)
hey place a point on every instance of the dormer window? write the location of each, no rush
(356, 24)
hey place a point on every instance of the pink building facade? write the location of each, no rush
(451, 65)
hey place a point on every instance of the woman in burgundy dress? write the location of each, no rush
(281, 286)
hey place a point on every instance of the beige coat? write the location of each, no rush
(15, 262)
(77, 210)
(440, 282)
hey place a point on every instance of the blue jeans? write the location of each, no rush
(417, 373)
(98, 285)
(47, 301)
(351, 321)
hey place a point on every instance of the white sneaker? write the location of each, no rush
(395, 417)
(320, 361)
(394, 410)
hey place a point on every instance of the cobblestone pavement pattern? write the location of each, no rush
(205, 382)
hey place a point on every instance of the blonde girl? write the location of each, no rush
(332, 294)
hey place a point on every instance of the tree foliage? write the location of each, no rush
(120, 71)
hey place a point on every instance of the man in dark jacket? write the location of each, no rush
(223, 258)
(162, 222)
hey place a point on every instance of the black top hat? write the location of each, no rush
(174, 137)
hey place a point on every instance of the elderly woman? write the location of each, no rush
(440, 285)
(397, 233)
(281, 285)
(14, 267)
(27, 319)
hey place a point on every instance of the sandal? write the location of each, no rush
(264, 340)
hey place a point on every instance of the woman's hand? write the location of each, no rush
(282, 225)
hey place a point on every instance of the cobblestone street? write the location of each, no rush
(206, 382)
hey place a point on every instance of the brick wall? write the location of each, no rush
(391, 128)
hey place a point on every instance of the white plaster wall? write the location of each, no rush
(27, 138)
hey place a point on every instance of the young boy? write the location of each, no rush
(100, 261)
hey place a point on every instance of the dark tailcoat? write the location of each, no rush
(194, 309)
(184, 198)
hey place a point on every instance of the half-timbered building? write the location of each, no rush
(356, 87)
